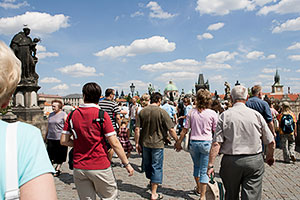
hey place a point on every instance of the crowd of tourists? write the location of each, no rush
(243, 132)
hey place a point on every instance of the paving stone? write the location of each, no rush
(281, 181)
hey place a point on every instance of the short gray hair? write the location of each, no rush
(10, 73)
(239, 92)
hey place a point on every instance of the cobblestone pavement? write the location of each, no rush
(282, 181)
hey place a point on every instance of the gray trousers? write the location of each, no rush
(288, 146)
(245, 172)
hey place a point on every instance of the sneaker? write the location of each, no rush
(293, 158)
(196, 191)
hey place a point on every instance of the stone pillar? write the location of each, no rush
(20, 99)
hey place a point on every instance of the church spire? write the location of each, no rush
(277, 77)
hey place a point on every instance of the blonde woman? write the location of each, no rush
(34, 168)
(202, 120)
(288, 132)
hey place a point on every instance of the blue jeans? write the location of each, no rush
(153, 164)
(199, 151)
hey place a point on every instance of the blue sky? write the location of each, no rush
(119, 42)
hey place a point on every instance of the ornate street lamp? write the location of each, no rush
(132, 87)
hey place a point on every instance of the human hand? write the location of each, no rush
(129, 169)
(210, 172)
(138, 149)
(178, 146)
(270, 160)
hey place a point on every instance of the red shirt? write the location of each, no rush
(90, 151)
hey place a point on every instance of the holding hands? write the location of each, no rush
(178, 146)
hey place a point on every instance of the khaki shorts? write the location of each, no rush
(91, 182)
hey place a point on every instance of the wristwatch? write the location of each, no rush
(210, 167)
(125, 165)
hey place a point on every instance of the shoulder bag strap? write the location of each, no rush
(11, 160)
(101, 117)
(70, 122)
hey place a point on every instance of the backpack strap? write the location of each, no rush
(100, 119)
(11, 160)
(71, 124)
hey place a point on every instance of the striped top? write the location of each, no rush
(112, 110)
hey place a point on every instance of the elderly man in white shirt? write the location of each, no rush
(238, 136)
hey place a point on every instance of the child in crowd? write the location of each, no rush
(124, 137)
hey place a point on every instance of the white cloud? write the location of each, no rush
(10, 4)
(75, 85)
(175, 65)
(223, 7)
(217, 79)
(264, 76)
(268, 70)
(273, 70)
(205, 36)
(78, 70)
(271, 56)
(221, 56)
(294, 46)
(282, 7)
(294, 79)
(298, 70)
(257, 83)
(140, 46)
(39, 23)
(139, 85)
(157, 11)
(254, 55)
(178, 76)
(289, 25)
(41, 52)
(187, 64)
(61, 87)
(40, 47)
(263, 2)
(50, 80)
(214, 27)
(137, 13)
(294, 57)
(46, 54)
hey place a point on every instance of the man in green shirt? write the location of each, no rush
(152, 126)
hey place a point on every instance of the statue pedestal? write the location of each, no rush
(26, 106)
(33, 116)
(26, 95)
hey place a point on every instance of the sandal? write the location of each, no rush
(196, 191)
(57, 173)
(158, 197)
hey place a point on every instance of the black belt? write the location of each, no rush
(243, 154)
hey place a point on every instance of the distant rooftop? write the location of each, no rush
(73, 96)
(49, 96)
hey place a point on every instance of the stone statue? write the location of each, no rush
(227, 91)
(150, 89)
(25, 49)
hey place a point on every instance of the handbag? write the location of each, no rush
(214, 190)
(186, 141)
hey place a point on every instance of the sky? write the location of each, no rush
(119, 42)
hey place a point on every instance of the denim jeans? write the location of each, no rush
(199, 151)
(153, 163)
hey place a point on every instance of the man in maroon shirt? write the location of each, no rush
(92, 171)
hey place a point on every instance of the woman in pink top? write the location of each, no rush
(202, 122)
